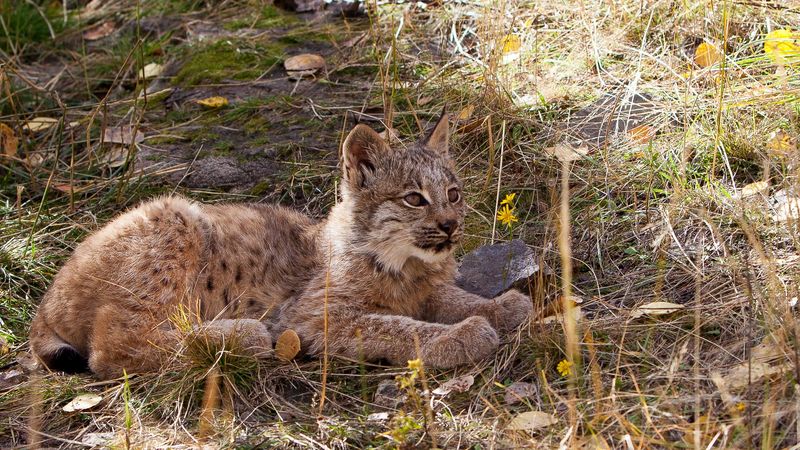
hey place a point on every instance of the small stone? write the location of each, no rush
(519, 391)
(98, 439)
(492, 269)
(388, 395)
(11, 378)
(300, 5)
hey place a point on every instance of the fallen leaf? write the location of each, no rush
(8, 141)
(378, 417)
(115, 157)
(781, 144)
(213, 102)
(39, 124)
(656, 309)
(457, 385)
(642, 134)
(424, 101)
(511, 43)
(99, 31)
(82, 402)
(151, 70)
(781, 46)
(531, 421)
(518, 392)
(743, 374)
(123, 134)
(752, 189)
(567, 152)
(706, 55)
(287, 345)
(559, 316)
(466, 112)
(304, 63)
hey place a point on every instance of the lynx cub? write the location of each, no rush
(381, 263)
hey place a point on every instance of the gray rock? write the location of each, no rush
(492, 269)
(11, 378)
(388, 395)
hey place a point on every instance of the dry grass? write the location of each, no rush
(627, 224)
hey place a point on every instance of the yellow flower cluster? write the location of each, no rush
(506, 213)
(565, 367)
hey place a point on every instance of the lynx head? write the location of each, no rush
(405, 201)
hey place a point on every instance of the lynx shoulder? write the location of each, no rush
(379, 268)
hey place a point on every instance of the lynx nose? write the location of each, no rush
(448, 226)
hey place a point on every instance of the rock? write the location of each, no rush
(300, 5)
(11, 378)
(388, 395)
(492, 269)
(98, 439)
(519, 391)
(611, 115)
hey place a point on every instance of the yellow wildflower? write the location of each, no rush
(415, 364)
(781, 46)
(565, 367)
(509, 199)
(506, 216)
(740, 406)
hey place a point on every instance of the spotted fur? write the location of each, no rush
(380, 266)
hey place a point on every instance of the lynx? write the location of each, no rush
(374, 280)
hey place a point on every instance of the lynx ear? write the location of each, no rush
(438, 137)
(359, 152)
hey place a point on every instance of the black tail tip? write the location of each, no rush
(66, 359)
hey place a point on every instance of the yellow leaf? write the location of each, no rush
(781, 46)
(511, 43)
(642, 134)
(8, 141)
(706, 55)
(531, 421)
(781, 144)
(213, 102)
(287, 345)
(466, 112)
(656, 309)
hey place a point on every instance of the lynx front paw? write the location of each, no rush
(466, 342)
(513, 307)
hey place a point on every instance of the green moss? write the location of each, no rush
(306, 36)
(261, 188)
(227, 59)
(268, 17)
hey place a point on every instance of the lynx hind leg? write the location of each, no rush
(247, 337)
(56, 354)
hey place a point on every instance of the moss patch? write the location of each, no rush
(228, 60)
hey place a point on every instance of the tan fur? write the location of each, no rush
(382, 268)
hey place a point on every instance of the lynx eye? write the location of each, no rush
(415, 199)
(453, 195)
